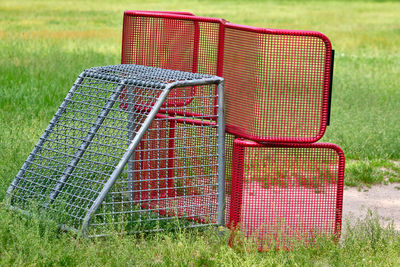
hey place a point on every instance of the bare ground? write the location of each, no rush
(383, 199)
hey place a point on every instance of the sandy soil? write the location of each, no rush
(384, 199)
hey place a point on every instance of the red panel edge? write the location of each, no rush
(123, 38)
(278, 31)
(186, 120)
(172, 15)
(196, 46)
(240, 133)
(185, 13)
(251, 143)
(339, 199)
(236, 191)
(237, 184)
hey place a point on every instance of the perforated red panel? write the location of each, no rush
(175, 169)
(282, 194)
(155, 160)
(171, 40)
(277, 83)
(177, 41)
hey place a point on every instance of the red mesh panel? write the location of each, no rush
(173, 40)
(228, 173)
(175, 168)
(277, 83)
(158, 42)
(286, 193)
(154, 159)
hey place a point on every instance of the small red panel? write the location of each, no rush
(173, 40)
(283, 194)
(175, 172)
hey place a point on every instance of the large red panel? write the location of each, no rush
(277, 83)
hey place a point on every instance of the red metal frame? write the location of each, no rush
(277, 92)
(297, 188)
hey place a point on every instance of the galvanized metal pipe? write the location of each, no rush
(221, 154)
(85, 144)
(44, 137)
(130, 150)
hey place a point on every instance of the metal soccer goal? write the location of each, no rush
(132, 148)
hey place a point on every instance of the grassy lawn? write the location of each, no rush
(44, 45)
(33, 242)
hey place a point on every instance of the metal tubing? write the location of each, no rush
(118, 169)
(146, 124)
(85, 144)
(44, 137)
(221, 155)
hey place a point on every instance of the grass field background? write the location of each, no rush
(44, 45)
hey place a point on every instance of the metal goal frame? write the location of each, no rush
(83, 164)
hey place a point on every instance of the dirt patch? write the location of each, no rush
(384, 199)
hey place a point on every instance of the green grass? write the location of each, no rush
(36, 242)
(372, 172)
(45, 44)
